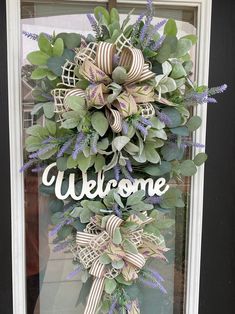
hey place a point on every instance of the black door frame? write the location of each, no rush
(218, 258)
(217, 290)
(5, 220)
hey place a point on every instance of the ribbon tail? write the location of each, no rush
(115, 120)
(94, 296)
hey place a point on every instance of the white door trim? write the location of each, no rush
(16, 144)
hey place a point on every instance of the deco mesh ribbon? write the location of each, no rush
(96, 64)
(94, 241)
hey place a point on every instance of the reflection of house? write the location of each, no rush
(27, 98)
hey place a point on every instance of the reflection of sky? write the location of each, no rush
(72, 23)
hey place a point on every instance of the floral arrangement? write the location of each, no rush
(117, 103)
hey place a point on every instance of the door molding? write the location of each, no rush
(15, 133)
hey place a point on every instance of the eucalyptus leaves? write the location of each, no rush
(116, 110)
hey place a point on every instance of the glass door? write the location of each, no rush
(53, 283)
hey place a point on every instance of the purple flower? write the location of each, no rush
(42, 151)
(93, 143)
(30, 35)
(144, 31)
(154, 200)
(146, 121)
(39, 168)
(116, 59)
(140, 128)
(159, 25)
(211, 100)
(116, 170)
(27, 165)
(128, 165)
(156, 274)
(125, 127)
(117, 210)
(164, 118)
(158, 43)
(136, 26)
(78, 145)
(48, 140)
(194, 144)
(217, 90)
(127, 174)
(61, 246)
(54, 231)
(112, 307)
(153, 285)
(74, 273)
(94, 24)
(64, 148)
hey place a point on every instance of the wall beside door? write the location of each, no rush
(217, 294)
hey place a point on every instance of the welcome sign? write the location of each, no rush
(93, 188)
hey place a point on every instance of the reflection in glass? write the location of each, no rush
(49, 288)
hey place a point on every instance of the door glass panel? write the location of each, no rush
(50, 288)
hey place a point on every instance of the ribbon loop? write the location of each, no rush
(104, 57)
(132, 59)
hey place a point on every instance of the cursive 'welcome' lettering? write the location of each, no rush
(92, 188)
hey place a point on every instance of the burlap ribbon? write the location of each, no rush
(97, 69)
(94, 241)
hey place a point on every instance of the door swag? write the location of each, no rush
(118, 124)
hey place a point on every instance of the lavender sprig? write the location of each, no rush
(140, 128)
(145, 121)
(136, 27)
(153, 285)
(94, 25)
(61, 246)
(164, 118)
(125, 127)
(159, 25)
(27, 165)
(117, 210)
(128, 165)
(64, 148)
(158, 43)
(56, 229)
(154, 200)
(78, 145)
(127, 174)
(113, 306)
(217, 90)
(39, 168)
(74, 273)
(93, 143)
(42, 151)
(116, 170)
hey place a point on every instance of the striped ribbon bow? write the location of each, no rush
(94, 241)
(125, 102)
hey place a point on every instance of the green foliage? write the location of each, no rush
(199, 159)
(100, 123)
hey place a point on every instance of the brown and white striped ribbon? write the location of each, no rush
(132, 59)
(136, 259)
(97, 269)
(83, 239)
(146, 73)
(104, 57)
(73, 92)
(115, 120)
(112, 224)
(94, 296)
